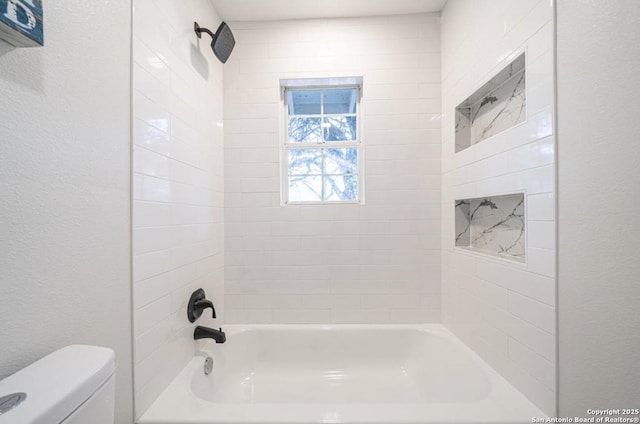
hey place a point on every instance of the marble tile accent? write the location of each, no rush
(463, 222)
(494, 225)
(498, 105)
(463, 128)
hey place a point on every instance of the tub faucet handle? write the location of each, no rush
(198, 302)
(203, 304)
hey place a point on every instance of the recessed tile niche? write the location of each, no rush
(498, 105)
(492, 225)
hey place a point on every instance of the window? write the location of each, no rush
(322, 147)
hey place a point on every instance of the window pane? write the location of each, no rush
(340, 128)
(305, 130)
(305, 189)
(305, 161)
(303, 102)
(341, 187)
(341, 161)
(340, 101)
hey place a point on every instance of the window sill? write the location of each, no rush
(354, 202)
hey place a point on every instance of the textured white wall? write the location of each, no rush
(504, 310)
(178, 188)
(64, 190)
(598, 177)
(335, 263)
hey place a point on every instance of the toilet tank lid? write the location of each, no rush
(58, 383)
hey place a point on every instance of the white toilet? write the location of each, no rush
(74, 385)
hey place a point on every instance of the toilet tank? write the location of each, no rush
(74, 385)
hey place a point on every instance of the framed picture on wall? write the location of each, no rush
(21, 22)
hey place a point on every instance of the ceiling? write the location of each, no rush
(271, 10)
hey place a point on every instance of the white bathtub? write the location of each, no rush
(299, 374)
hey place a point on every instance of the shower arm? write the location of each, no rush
(200, 30)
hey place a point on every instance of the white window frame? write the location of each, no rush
(286, 145)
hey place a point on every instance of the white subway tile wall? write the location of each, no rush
(372, 263)
(178, 227)
(504, 311)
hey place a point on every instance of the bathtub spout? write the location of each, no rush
(209, 333)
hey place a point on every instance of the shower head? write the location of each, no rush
(222, 42)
